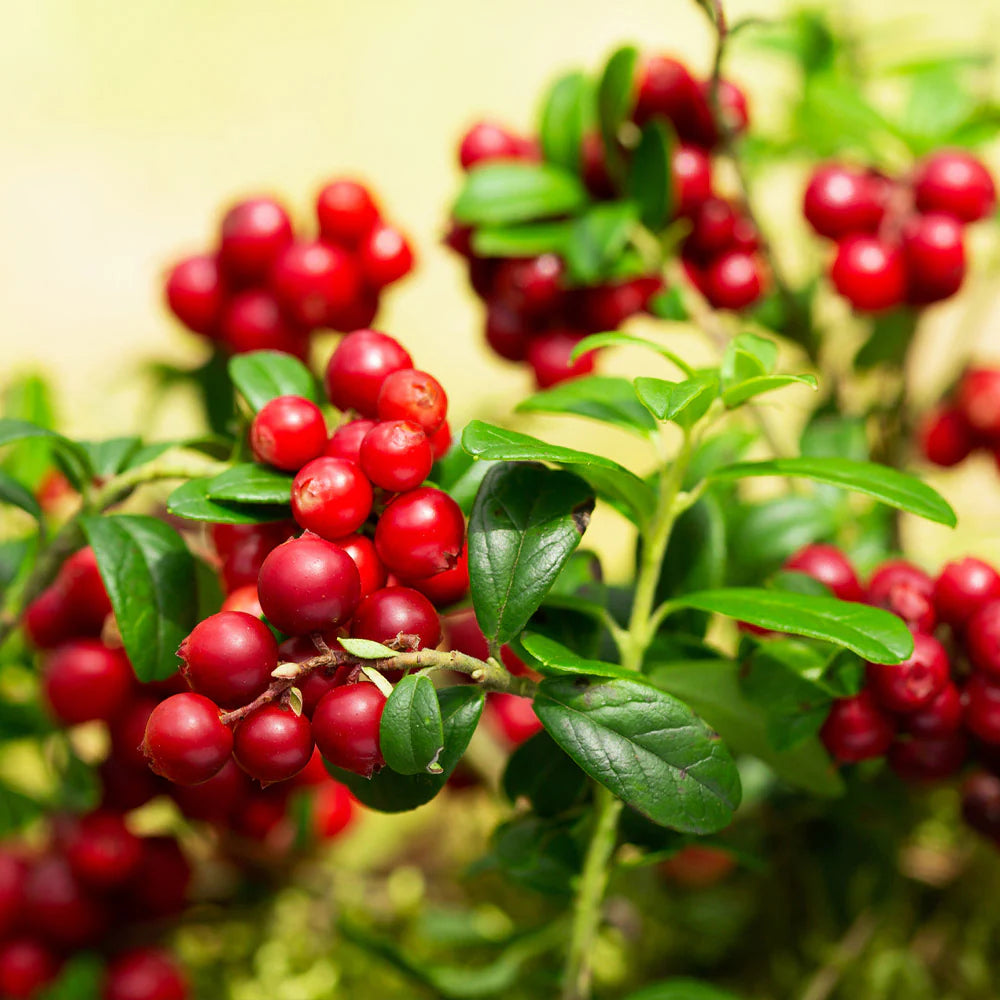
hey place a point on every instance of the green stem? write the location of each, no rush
(592, 886)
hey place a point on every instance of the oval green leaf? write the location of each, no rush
(251, 483)
(191, 501)
(650, 177)
(606, 398)
(503, 193)
(261, 376)
(564, 119)
(411, 735)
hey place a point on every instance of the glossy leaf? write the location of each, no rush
(507, 192)
(650, 177)
(251, 483)
(191, 501)
(528, 240)
(411, 735)
(738, 394)
(541, 772)
(261, 376)
(459, 475)
(606, 398)
(684, 403)
(555, 659)
(564, 119)
(78, 462)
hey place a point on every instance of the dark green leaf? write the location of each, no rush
(16, 558)
(890, 339)
(504, 193)
(539, 771)
(81, 978)
(108, 458)
(77, 460)
(615, 96)
(738, 394)
(597, 240)
(251, 483)
(411, 735)
(565, 116)
(150, 577)
(14, 493)
(682, 989)
(216, 390)
(555, 659)
(526, 522)
(17, 810)
(191, 501)
(607, 398)
(531, 239)
(262, 376)
(646, 747)
(22, 719)
(685, 403)
(540, 854)
(939, 102)
(459, 475)
(650, 177)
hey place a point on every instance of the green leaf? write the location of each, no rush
(939, 102)
(606, 398)
(531, 239)
(77, 460)
(459, 475)
(503, 193)
(748, 356)
(216, 390)
(29, 398)
(541, 854)
(646, 747)
(565, 116)
(650, 177)
(890, 339)
(191, 501)
(108, 458)
(597, 240)
(615, 96)
(17, 810)
(685, 403)
(17, 495)
(611, 480)
(615, 339)
(712, 689)
(261, 376)
(411, 735)
(889, 486)
(251, 483)
(80, 978)
(738, 394)
(150, 577)
(669, 305)
(367, 649)
(872, 633)
(539, 771)
(526, 522)
(682, 989)
(388, 791)
(555, 659)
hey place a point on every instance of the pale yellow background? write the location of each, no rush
(125, 125)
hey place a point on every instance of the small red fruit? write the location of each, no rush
(393, 612)
(734, 280)
(692, 178)
(549, 356)
(415, 396)
(420, 533)
(512, 717)
(359, 366)
(27, 966)
(945, 437)
(79, 581)
(906, 591)
(346, 440)
(253, 233)
(857, 729)
(981, 804)
(396, 455)
(101, 850)
(914, 683)
(954, 182)
(312, 279)
(59, 908)
(13, 872)
(982, 639)
(346, 727)
(934, 250)
(346, 212)
(370, 569)
(288, 432)
(869, 273)
(840, 202)
(828, 565)
(331, 497)
(244, 599)
(84, 680)
(48, 620)
(927, 760)
(186, 741)
(144, 974)
(941, 717)
(979, 401)
(665, 89)
(486, 141)
(982, 708)
(273, 744)
(215, 800)
(385, 256)
(333, 810)
(531, 286)
(963, 587)
(195, 293)
(507, 331)
(447, 587)
(252, 321)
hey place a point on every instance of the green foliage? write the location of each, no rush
(411, 734)
(262, 376)
(505, 193)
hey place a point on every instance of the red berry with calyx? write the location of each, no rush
(869, 273)
(253, 233)
(370, 569)
(692, 178)
(409, 394)
(828, 565)
(512, 717)
(346, 212)
(962, 588)
(486, 141)
(665, 90)
(979, 401)
(712, 227)
(934, 251)
(312, 279)
(448, 587)
(308, 585)
(945, 437)
(940, 717)
(252, 321)
(914, 683)
(390, 614)
(857, 729)
(48, 620)
(956, 183)
(507, 332)
(214, 800)
(13, 872)
(84, 680)
(533, 285)
(273, 744)
(982, 639)
(981, 804)
(346, 728)
(359, 366)
(101, 849)
(345, 442)
(79, 580)
(549, 355)
(186, 742)
(229, 657)
(982, 708)
(396, 455)
(926, 760)
(420, 533)
(27, 966)
(144, 974)
(385, 256)
(195, 293)
(59, 908)
(331, 497)
(287, 432)
(734, 280)
(840, 202)
(333, 810)
(906, 591)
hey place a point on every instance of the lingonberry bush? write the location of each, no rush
(216, 651)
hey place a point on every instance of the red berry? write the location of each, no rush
(840, 202)
(229, 657)
(487, 141)
(856, 729)
(27, 966)
(287, 432)
(982, 708)
(396, 455)
(482, 275)
(869, 273)
(186, 741)
(346, 727)
(734, 280)
(413, 395)
(159, 887)
(346, 212)
(945, 438)
(359, 366)
(925, 760)
(830, 566)
(124, 786)
(941, 717)
(13, 872)
(692, 178)
(59, 908)
(906, 591)
(331, 497)
(314, 687)
(979, 401)
(308, 585)
(507, 333)
(252, 321)
(241, 565)
(312, 279)
(393, 612)
(982, 638)
(370, 569)
(48, 620)
(263, 817)
(963, 587)
(981, 804)
(195, 293)
(606, 307)
(665, 89)
(420, 533)
(385, 256)
(512, 717)
(215, 800)
(447, 587)
(533, 285)
(732, 109)
(79, 581)
(594, 167)
(934, 250)
(712, 227)
(273, 744)
(333, 810)
(360, 312)
(954, 182)
(914, 683)
(549, 357)
(440, 442)
(346, 440)
(244, 599)
(144, 974)
(253, 233)
(227, 538)
(101, 850)
(85, 680)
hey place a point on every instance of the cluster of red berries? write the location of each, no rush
(969, 421)
(533, 313)
(377, 552)
(899, 240)
(264, 288)
(939, 710)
